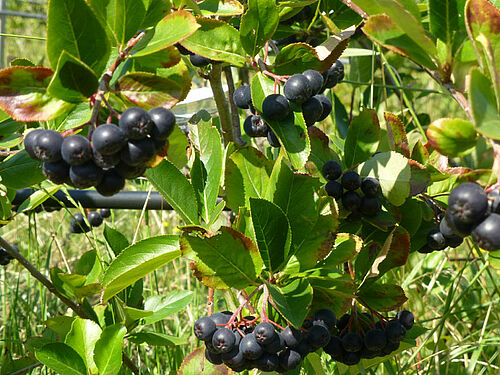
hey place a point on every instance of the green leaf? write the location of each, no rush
(320, 151)
(397, 134)
(482, 20)
(122, 18)
(60, 324)
(164, 58)
(166, 306)
(62, 359)
(20, 171)
(394, 173)
(382, 297)
(176, 189)
(36, 199)
(73, 80)
(444, 19)
(206, 139)
(89, 265)
(82, 337)
(246, 176)
(155, 12)
(196, 363)
(483, 105)
(452, 137)
(170, 30)
(362, 139)
(226, 260)
(295, 58)
(405, 20)
(332, 291)
(73, 27)
(346, 247)
(137, 261)
(383, 30)
(108, 349)
(79, 115)
(254, 32)
(292, 131)
(177, 146)
(216, 40)
(148, 90)
(23, 94)
(221, 8)
(115, 239)
(272, 232)
(295, 196)
(288, 297)
(156, 339)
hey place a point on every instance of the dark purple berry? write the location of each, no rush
(94, 218)
(112, 183)
(138, 152)
(436, 240)
(106, 161)
(163, 122)
(335, 348)
(223, 340)
(351, 201)
(331, 170)
(289, 359)
(298, 89)
(468, 203)
(406, 318)
(47, 146)
(395, 331)
(255, 126)
(29, 142)
(264, 333)
(327, 317)
(318, 336)
(351, 180)
(130, 172)
(213, 358)
(370, 186)
(326, 103)
(375, 340)
(76, 150)
(78, 224)
(204, 328)
(220, 318)
(352, 358)
(370, 206)
(105, 213)
(312, 109)
(334, 189)
(292, 336)
(136, 123)
(199, 61)
(487, 234)
(108, 139)
(315, 80)
(242, 97)
(250, 348)
(85, 175)
(352, 342)
(57, 172)
(273, 139)
(275, 107)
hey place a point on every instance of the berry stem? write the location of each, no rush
(238, 310)
(210, 302)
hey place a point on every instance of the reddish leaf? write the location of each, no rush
(420, 178)
(382, 297)
(23, 94)
(196, 363)
(397, 134)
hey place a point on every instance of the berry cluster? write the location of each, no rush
(470, 212)
(376, 340)
(301, 93)
(94, 218)
(5, 257)
(366, 205)
(115, 153)
(245, 345)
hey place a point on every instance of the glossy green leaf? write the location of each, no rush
(295, 58)
(108, 349)
(122, 18)
(164, 58)
(394, 173)
(221, 8)
(173, 28)
(176, 189)
(82, 337)
(397, 134)
(196, 363)
(137, 261)
(295, 196)
(346, 247)
(332, 291)
(246, 176)
(227, 260)
(24, 96)
(156, 339)
(62, 359)
(116, 240)
(272, 232)
(320, 151)
(445, 22)
(362, 139)
(60, 324)
(163, 307)
(36, 199)
(207, 140)
(148, 90)
(382, 297)
(289, 297)
(483, 105)
(292, 131)
(73, 27)
(254, 32)
(89, 265)
(216, 40)
(73, 80)
(383, 29)
(79, 115)
(155, 11)
(404, 19)
(452, 137)
(20, 171)
(177, 148)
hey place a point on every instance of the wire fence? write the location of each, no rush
(22, 30)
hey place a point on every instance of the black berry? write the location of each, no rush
(199, 61)
(94, 218)
(375, 340)
(370, 206)
(106, 161)
(76, 150)
(334, 189)
(223, 340)
(255, 126)
(468, 203)
(214, 358)
(292, 336)
(273, 139)
(163, 122)
(47, 146)
(487, 233)
(331, 170)
(275, 107)
(204, 328)
(395, 331)
(352, 342)
(315, 80)
(136, 123)
(29, 142)
(312, 109)
(436, 240)
(406, 318)
(351, 180)
(85, 175)
(327, 317)
(112, 183)
(78, 224)
(318, 336)
(370, 186)
(351, 201)
(108, 139)
(264, 333)
(57, 172)
(138, 152)
(250, 348)
(242, 97)
(327, 106)
(105, 213)
(130, 172)
(298, 89)
(289, 359)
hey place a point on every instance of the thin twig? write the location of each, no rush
(234, 110)
(221, 103)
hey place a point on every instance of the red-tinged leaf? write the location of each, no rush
(196, 363)
(148, 90)
(452, 137)
(383, 30)
(420, 153)
(394, 252)
(23, 94)
(484, 177)
(227, 259)
(382, 297)
(420, 178)
(397, 134)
